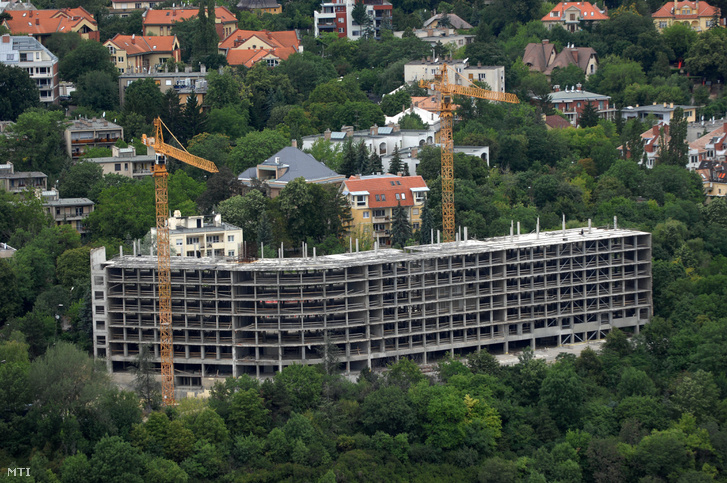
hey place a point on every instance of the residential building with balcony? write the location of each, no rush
(286, 165)
(41, 64)
(572, 15)
(126, 162)
(161, 21)
(40, 24)
(184, 83)
(459, 72)
(381, 140)
(13, 182)
(661, 112)
(448, 37)
(69, 211)
(143, 53)
(572, 102)
(86, 133)
(335, 17)
(124, 8)
(374, 198)
(699, 15)
(190, 236)
(425, 303)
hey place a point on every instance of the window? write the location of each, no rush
(79, 211)
(230, 238)
(482, 77)
(383, 197)
(213, 239)
(58, 211)
(379, 227)
(397, 196)
(112, 50)
(378, 198)
(415, 226)
(231, 253)
(398, 183)
(117, 167)
(419, 197)
(579, 104)
(415, 211)
(37, 56)
(366, 215)
(121, 60)
(168, 82)
(600, 105)
(192, 240)
(340, 30)
(179, 242)
(392, 183)
(10, 57)
(360, 200)
(662, 25)
(126, 166)
(403, 196)
(379, 213)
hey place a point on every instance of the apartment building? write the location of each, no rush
(40, 24)
(161, 21)
(126, 162)
(143, 53)
(425, 303)
(41, 64)
(87, 133)
(335, 16)
(13, 182)
(69, 211)
(459, 72)
(571, 102)
(184, 83)
(191, 236)
(374, 198)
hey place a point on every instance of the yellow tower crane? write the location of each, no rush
(446, 90)
(160, 174)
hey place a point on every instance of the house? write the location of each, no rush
(139, 54)
(126, 162)
(374, 198)
(447, 20)
(184, 83)
(191, 236)
(13, 182)
(29, 54)
(700, 16)
(556, 122)
(410, 156)
(571, 15)
(82, 134)
(40, 24)
(286, 165)
(260, 6)
(661, 112)
(459, 71)
(543, 57)
(124, 8)
(651, 139)
(248, 47)
(335, 16)
(160, 22)
(710, 147)
(69, 211)
(572, 102)
(447, 37)
(11, 6)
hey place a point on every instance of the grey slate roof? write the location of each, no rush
(298, 164)
(69, 202)
(23, 175)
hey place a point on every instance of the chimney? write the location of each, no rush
(556, 88)
(415, 151)
(374, 130)
(133, 38)
(546, 41)
(655, 130)
(327, 134)
(6, 38)
(37, 21)
(671, 104)
(294, 143)
(578, 87)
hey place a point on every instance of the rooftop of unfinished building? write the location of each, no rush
(381, 255)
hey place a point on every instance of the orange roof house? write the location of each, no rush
(159, 22)
(139, 54)
(247, 47)
(570, 15)
(698, 15)
(42, 23)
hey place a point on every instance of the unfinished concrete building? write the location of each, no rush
(501, 294)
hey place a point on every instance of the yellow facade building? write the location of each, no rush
(700, 16)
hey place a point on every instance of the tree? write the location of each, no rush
(571, 75)
(193, 119)
(171, 112)
(675, 151)
(400, 227)
(562, 392)
(427, 225)
(244, 211)
(411, 121)
(63, 43)
(98, 90)
(35, 142)
(145, 383)
(220, 186)
(264, 230)
(18, 92)
(307, 70)
(160, 470)
(114, 460)
(248, 414)
(301, 384)
(362, 19)
(72, 267)
(225, 90)
(144, 98)
(387, 409)
(394, 103)
(89, 56)
(395, 162)
(589, 116)
(254, 148)
(348, 159)
(77, 181)
(706, 55)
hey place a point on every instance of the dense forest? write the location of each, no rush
(648, 407)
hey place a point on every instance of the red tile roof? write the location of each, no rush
(140, 44)
(588, 12)
(285, 38)
(38, 22)
(557, 122)
(667, 11)
(382, 186)
(249, 57)
(169, 16)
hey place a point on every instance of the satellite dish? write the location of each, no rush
(465, 61)
(436, 59)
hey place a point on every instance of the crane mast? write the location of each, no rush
(446, 90)
(164, 277)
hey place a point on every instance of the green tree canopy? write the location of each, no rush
(88, 56)
(18, 92)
